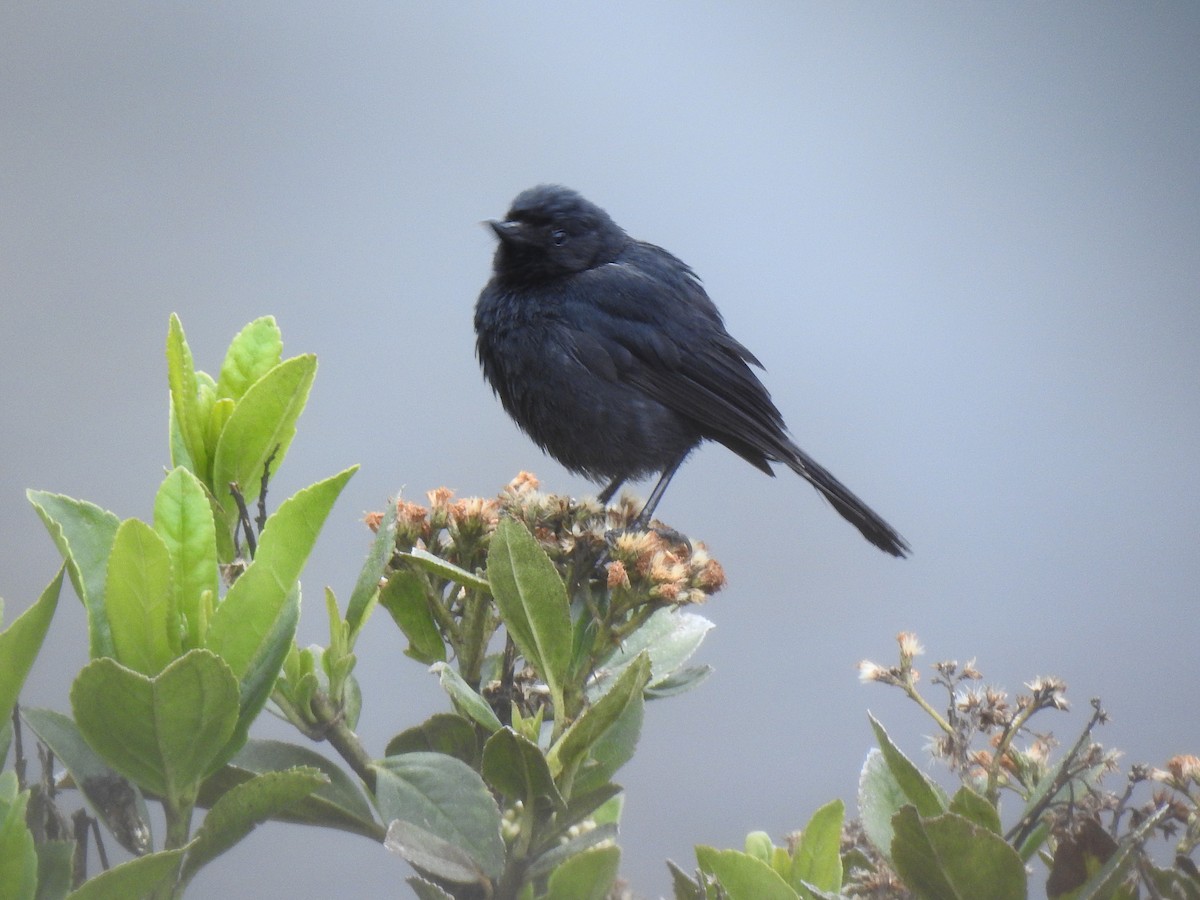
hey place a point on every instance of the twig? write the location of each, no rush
(243, 519)
(1018, 834)
(18, 750)
(99, 839)
(261, 521)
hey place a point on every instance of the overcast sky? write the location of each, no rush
(963, 239)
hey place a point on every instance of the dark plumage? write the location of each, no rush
(610, 355)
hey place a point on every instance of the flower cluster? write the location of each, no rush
(670, 570)
(656, 566)
(987, 740)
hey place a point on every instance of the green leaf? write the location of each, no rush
(743, 877)
(145, 629)
(517, 769)
(879, 799)
(678, 682)
(1174, 882)
(562, 849)
(927, 797)
(684, 886)
(179, 451)
(585, 876)
(1035, 841)
(1105, 883)
(255, 350)
(18, 857)
(165, 733)
(613, 748)
(1079, 856)
(759, 845)
(263, 423)
(456, 821)
(134, 879)
(117, 803)
(366, 588)
(437, 856)
(975, 807)
(948, 857)
(337, 803)
(190, 419)
(573, 747)
(183, 519)
(54, 869)
(1066, 788)
(84, 534)
(218, 417)
(253, 628)
(609, 812)
(817, 860)
(670, 636)
(245, 806)
(467, 700)
(533, 603)
(593, 804)
(245, 626)
(447, 570)
(441, 733)
(427, 890)
(209, 413)
(20, 643)
(404, 598)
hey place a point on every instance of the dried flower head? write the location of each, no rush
(909, 647)
(617, 576)
(709, 577)
(1184, 768)
(1049, 693)
(869, 671)
(412, 524)
(524, 483)
(475, 514)
(439, 497)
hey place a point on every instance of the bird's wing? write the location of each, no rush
(660, 332)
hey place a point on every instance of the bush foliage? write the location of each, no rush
(550, 623)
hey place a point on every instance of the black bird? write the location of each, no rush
(608, 353)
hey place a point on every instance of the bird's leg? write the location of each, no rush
(647, 513)
(642, 522)
(609, 492)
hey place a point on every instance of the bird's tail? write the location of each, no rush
(853, 510)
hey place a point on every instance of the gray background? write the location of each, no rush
(965, 241)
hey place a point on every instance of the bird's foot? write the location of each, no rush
(666, 533)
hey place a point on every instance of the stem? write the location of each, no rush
(509, 886)
(635, 621)
(910, 688)
(343, 739)
(179, 825)
(444, 618)
(561, 716)
(475, 637)
(1020, 832)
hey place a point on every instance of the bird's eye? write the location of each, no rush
(558, 236)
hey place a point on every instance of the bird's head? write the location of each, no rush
(550, 231)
